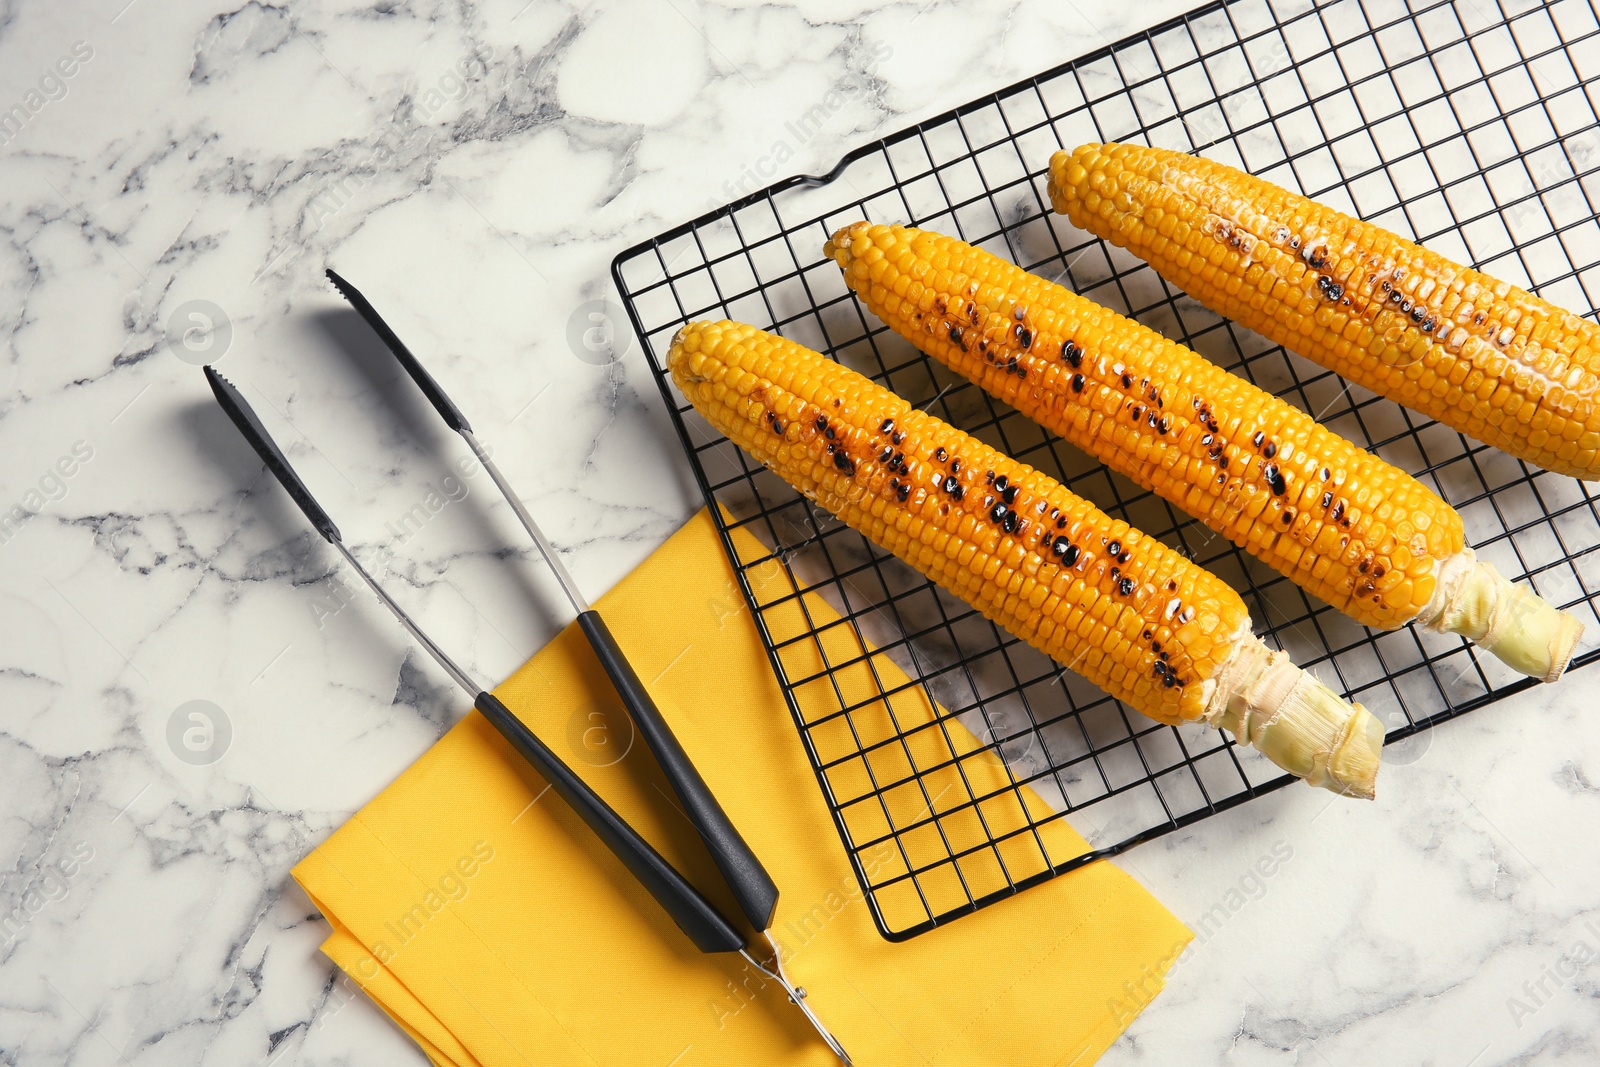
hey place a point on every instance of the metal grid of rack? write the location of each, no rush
(1469, 124)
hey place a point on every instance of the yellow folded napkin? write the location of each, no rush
(488, 921)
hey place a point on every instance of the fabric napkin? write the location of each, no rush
(486, 919)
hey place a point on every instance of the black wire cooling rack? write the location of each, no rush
(1467, 124)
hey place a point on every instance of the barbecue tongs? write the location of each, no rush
(696, 916)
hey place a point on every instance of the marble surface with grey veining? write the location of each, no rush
(174, 177)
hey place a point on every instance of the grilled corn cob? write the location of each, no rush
(1346, 526)
(1128, 613)
(1479, 355)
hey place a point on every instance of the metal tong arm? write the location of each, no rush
(797, 995)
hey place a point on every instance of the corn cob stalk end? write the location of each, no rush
(1297, 722)
(1523, 631)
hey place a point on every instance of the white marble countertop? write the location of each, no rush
(476, 166)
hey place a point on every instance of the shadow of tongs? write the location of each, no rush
(752, 887)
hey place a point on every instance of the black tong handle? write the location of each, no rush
(694, 915)
(752, 886)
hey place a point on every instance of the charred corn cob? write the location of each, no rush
(1479, 355)
(1128, 613)
(1346, 526)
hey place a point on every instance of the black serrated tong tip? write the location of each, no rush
(430, 388)
(245, 419)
